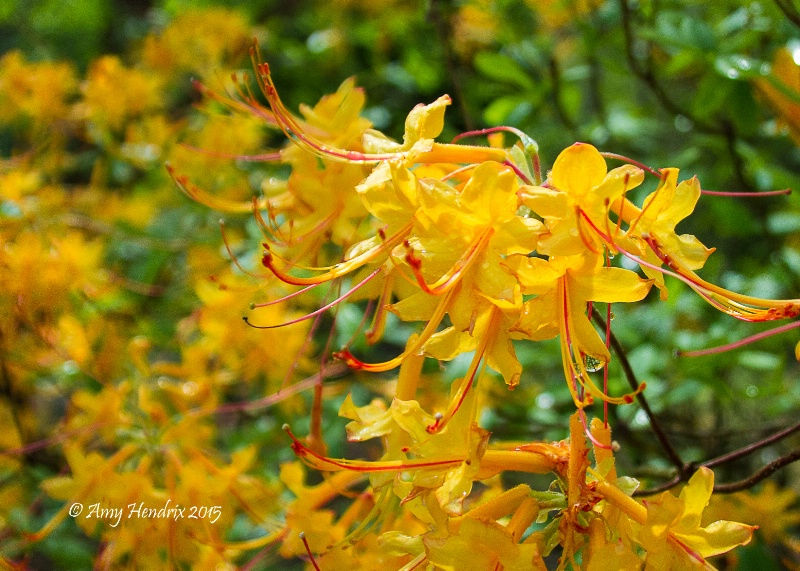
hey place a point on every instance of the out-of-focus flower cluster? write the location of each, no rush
(117, 343)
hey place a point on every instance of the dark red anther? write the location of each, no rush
(628, 399)
(413, 261)
(347, 358)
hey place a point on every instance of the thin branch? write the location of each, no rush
(660, 488)
(648, 76)
(440, 15)
(788, 9)
(762, 474)
(750, 448)
(669, 450)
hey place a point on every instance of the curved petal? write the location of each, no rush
(578, 169)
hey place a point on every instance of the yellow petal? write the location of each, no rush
(578, 169)
(617, 182)
(608, 285)
(718, 537)
(546, 202)
(681, 204)
(539, 319)
(695, 497)
(425, 121)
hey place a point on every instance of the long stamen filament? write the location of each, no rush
(412, 349)
(327, 464)
(322, 309)
(741, 342)
(469, 378)
(453, 275)
(200, 196)
(342, 268)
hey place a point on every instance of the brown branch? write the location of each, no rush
(788, 9)
(750, 448)
(648, 76)
(669, 450)
(762, 474)
(440, 15)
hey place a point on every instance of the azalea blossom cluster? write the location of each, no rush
(484, 249)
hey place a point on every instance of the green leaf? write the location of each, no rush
(503, 69)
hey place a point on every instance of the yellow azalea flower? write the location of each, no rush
(557, 13)
(305, 513)
(672, 534)
(474, 27)
(455, 250)
(662, 210)
(564, 286)
(482, 545)
(246, 353)
(17, 183)
(423, 124)
(445, 462)
(579, 182)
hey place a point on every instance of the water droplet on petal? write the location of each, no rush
(592, 365)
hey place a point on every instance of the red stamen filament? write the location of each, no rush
(588, 432)
(537, 172)
(741, 342)
(284, 298)
(419, 342)
(522, 176)
(201, 196)
(652, 198)
(605, 369)
(764, 310)
(302, 537)
(375, 331)
(630, 161)
(783, 192)
(457, 172)
(342, 268)
(469, 377)
(322, 309)
(233, 257)
(251, 107)
(331, 464)
(261, 157)
(453, 275)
